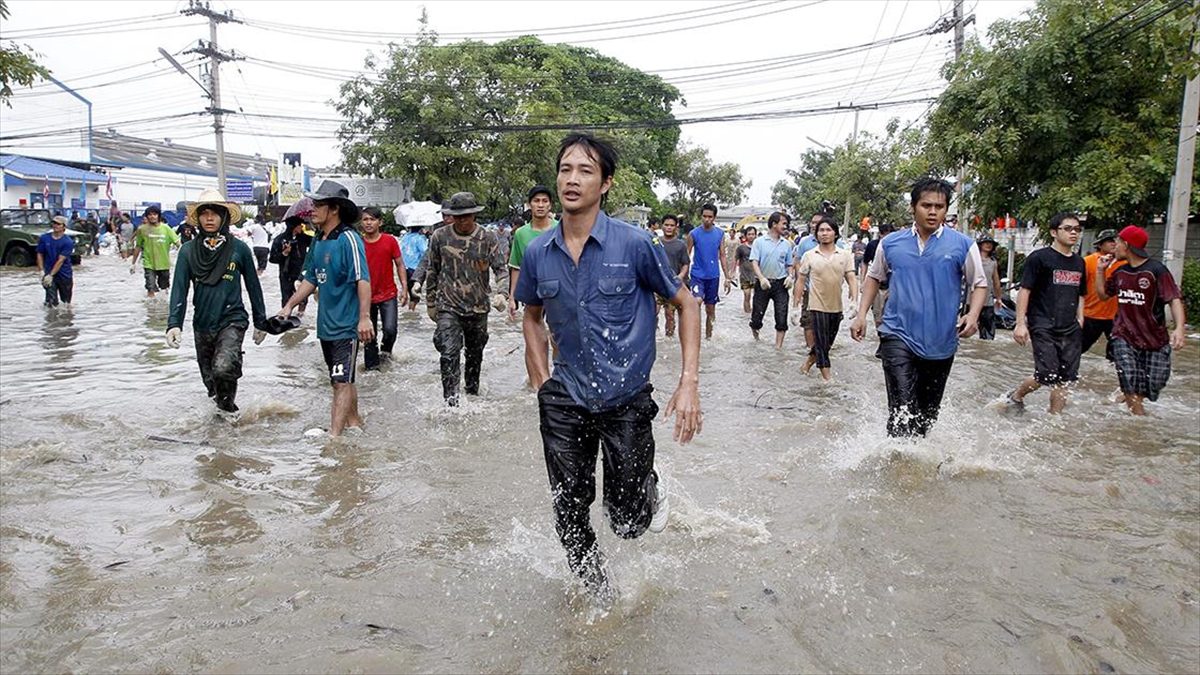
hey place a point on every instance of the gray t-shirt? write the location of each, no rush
(989, 269)
(677, 255)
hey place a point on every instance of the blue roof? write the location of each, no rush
(28, 167)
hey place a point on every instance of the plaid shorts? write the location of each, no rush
(1143, 372)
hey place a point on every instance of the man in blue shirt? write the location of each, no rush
(54, 250)
(704, 247)
(924, 267)
(337, 265)
(770, 257)
(593, 278)
(413, 246)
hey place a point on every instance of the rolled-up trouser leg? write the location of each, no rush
(475, 338)
(448, 339)
(630, 484)
(758, 306)
(779, 299)
(570, 443)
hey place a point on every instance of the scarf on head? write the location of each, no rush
(211, 254)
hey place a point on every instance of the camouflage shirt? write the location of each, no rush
(456, 279)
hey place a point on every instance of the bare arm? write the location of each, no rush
(366, 331)
(1021, 331)
(402, 274)
(58, 265)
(306, 289)
(1100, 281)
(685, 403)
(537, 344)
(1178, 336)
(852, 279)
(799, 290)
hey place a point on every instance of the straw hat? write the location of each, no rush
(213, 197)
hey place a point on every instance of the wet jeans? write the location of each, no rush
(455, 332)
(987, 323)
(63, 287)
(571, 437)
(381, 313)
(914, 387)
(219, 356)
(777, 294)
(287, 288)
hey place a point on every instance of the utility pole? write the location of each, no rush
(1175, 242)
(215, 57)
(853, 141)
(959, 26)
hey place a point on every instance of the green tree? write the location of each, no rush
(695, 180)
(17, 64)
(488, 118)
(1075, 107)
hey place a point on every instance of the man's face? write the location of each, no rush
(1108, 246)
(1067, 233)
(540, 206)
(57, 228)
(464, 222)
(447, 219)
(210, 220)
(987, 247)
(152, 218)
(812, 224)
(1121, 249)
(324, 214)
(707, 218)
(670, 228)
(751, 235)
(370, 224)
(826, 233)
(580, 180)
(930, 210)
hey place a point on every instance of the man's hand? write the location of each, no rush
(1021, 334)
(512, 309)
(174, 337)
(685, 406)
(789, 282)
(728, 285)
(416, 288)
(366, 332)
(1178, 338)
(764, 283)
(967, 326)
(259, 336)
(47, 280)
(997, 305)
(403, 299)
(431, 310)
(858, 328)
(499, 302)
(1104, 261)
(284, 312)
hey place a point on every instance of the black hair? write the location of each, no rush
(778, 216)
(598, 149)
(930, 184)
(539, 190)
(373, 211)
(831, 222)
(1058, 218)
(653, 220)
(709, 207)
(517, 221)
(670, 218)
(750, 228)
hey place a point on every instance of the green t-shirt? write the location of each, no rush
(156, 244)
(521, 239)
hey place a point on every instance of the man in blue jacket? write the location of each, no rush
(924, 267)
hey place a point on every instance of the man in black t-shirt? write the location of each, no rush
(1050, 314)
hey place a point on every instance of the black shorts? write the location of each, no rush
(260, 256)
(157, 280)
(1056, 355)
(341, 356)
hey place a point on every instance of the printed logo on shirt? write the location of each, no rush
(1067, 277)
(1144, 283)
(1130, 296)
(321, 276)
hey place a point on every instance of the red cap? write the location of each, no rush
(1136, 237)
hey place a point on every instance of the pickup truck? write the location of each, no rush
(19, 233)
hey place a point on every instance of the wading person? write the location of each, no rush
(54, 250)
(704, 248)
(1098, 314)
(771, 261)
(383, 254)
(457, 291)
(868, 257)
(288, 251)
(1050, 314)
(820, 274)
(991, 303)
(413, 246)
(540, 221)
(260, 240)
(337, 267)
(1141, 344)
(594, 280)
(152, 242)
(925, 267)
(677, 258)
(217, 266)
(745, 271)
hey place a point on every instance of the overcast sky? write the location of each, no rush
(297, 52)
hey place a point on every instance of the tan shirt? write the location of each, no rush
(826, 275)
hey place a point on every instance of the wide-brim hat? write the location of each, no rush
(213, 197)
(332, 191)
(1103, 236)
(461, 204)
(985, 239)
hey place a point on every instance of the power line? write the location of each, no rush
(23, 33)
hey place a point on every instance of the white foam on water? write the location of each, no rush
(704, 523)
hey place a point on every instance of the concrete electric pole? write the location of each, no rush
(1175, 242)
(215, 57)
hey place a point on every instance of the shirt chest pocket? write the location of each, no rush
(547, 292)
(616, 298)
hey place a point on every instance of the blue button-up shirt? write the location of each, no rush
(601, 311)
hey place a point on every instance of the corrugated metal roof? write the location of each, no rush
(141, 153)
(30, 168)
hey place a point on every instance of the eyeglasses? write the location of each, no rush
(1071, 229)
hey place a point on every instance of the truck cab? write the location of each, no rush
(19, 233)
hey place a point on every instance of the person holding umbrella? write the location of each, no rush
(218, 266)
(289, 249)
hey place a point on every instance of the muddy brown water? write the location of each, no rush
(801, 539)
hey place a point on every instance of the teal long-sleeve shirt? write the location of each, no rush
(219, 305)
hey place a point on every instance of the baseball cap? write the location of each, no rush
(1136, 238)
(539, 190)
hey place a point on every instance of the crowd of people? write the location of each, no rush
(590, 293)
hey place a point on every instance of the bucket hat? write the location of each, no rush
(213, 197)
(1103, 236)
(986, 238)
(331, 191)
(1136, 238)
(460, 204)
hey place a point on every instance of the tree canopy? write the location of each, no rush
(696, 180)
(17, 64)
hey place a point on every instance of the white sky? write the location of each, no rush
(144, 85)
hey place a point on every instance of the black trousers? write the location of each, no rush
(454, 333)
(825, 329)
(987, 323)
(63, 287)
(381, 313)
(571, 437)
(777, 294)
(219, 356)
(287, 288)
(1093, 329)
(914, 387)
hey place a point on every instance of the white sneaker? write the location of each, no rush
(662, 507)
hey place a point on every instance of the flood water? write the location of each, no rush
(801, 538)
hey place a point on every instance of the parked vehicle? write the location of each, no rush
(19, 233)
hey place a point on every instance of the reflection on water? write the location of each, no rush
(139, 531)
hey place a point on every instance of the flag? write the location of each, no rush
(273, 180)
(63, 193)
(46, 191)
(108, 189)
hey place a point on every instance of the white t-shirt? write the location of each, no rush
(258, 235)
